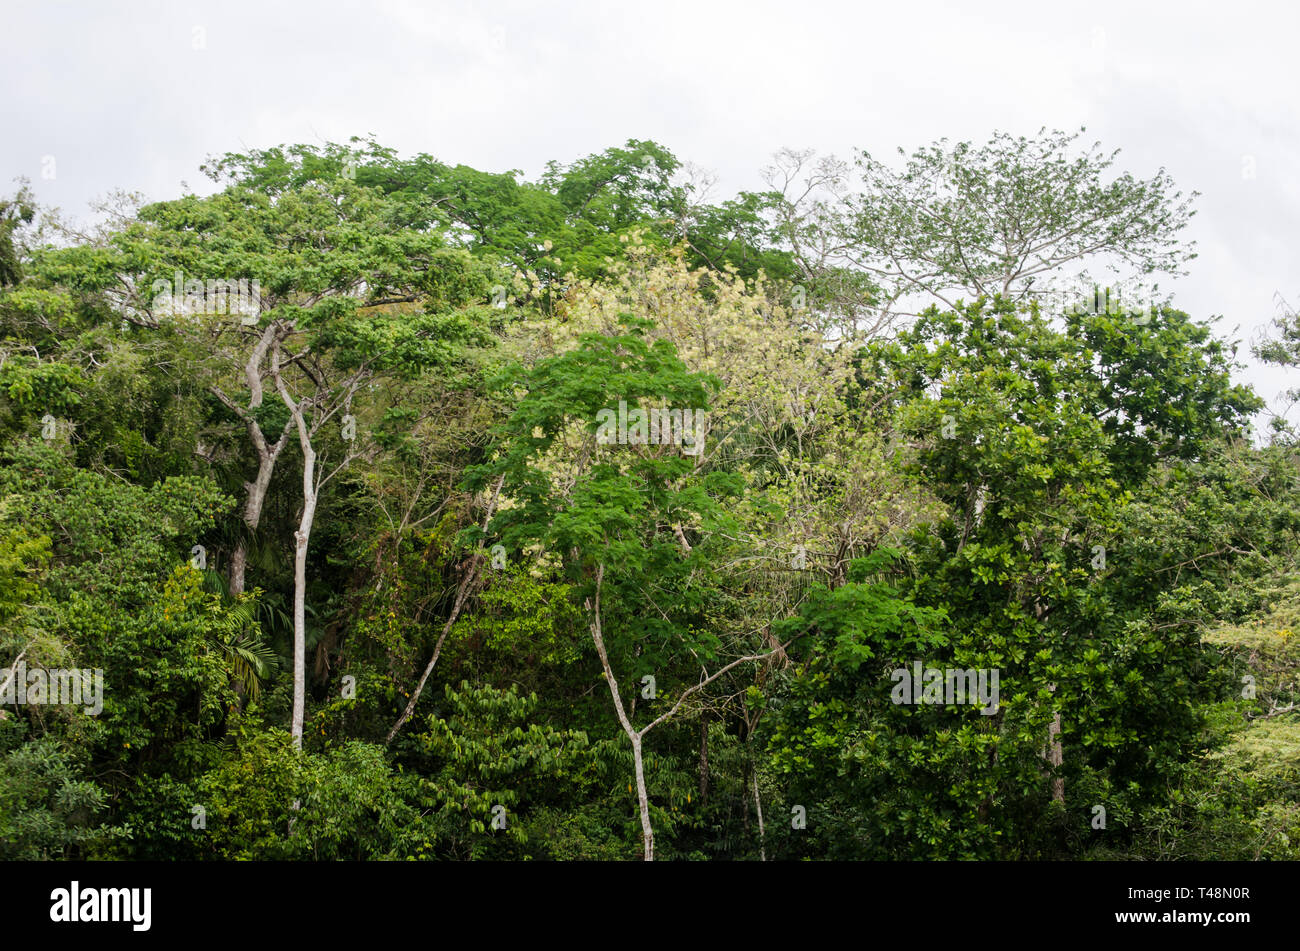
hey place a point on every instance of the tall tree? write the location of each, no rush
(309, 291)
(1015, 216)
(239, 272)
(1036, 437)
(614, 512)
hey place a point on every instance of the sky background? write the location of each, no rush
(135, 95)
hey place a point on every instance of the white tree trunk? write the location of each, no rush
(301, 538)
(643, 801)
(636, 736)
(266, 455)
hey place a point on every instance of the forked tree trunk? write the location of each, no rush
(266, 454)
(643, 801)
(636, 736)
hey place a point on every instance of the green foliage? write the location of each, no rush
(14, 213)
(488, 768)
(839, 741)
(1005, 217)
(49, 807)
(1068, 499)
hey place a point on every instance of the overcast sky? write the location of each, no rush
(103, 95)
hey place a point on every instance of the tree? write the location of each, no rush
(342, 352)
(1282, 349)
(1015, 216)
(14, 213)
(1037, 439)
(337, 284)
(876, 777)
(256, 265)
(823, 480)
(630, 565)
(612, 515)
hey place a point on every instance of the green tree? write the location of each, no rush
(621, 515)
(1037, 439)
(14, 213)
(1015, 217)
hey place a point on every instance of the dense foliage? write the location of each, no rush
(410, 511)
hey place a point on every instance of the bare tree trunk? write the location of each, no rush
(301, 538)
(238, 566)
(643, 801)
(1054, 753)
(311, 486)
(762, 833)
(266, 454)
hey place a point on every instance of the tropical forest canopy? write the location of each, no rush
(409, 510)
